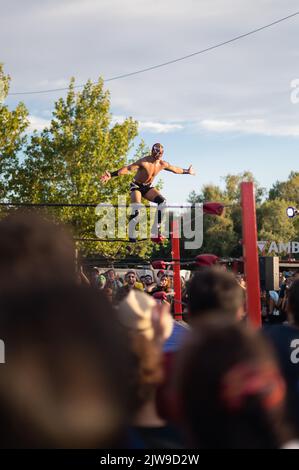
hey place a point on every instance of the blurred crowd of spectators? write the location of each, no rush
(275, 303)
(116, 287)
(101, 363)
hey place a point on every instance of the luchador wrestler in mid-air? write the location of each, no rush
(146, 170)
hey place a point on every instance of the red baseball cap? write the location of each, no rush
(206, 260)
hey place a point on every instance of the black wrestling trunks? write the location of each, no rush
(142, 187)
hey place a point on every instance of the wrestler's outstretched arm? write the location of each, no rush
(122, 171)
(179, 171)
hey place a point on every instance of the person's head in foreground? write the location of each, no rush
(148, 324)
(232, 394)
(34, 252)
(65, 380)
(213, 290)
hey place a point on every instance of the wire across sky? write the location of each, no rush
(169, 62)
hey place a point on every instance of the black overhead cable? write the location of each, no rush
(169, 62)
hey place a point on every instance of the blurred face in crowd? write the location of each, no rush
(94, 275)
(164, 281)
(111, 275)
(131, 279)
(148, 280)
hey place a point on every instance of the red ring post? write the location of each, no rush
(250, 254)
(175, 241)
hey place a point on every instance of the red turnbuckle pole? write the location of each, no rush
(250, 254)
(175, 241)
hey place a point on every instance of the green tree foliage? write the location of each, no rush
(286, 190)
(272, 221)
(64, 162)
(233, 182)
(273, 224)
(222, 235)
(12, 138)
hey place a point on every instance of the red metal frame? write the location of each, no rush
(250, 254)
(175, 242)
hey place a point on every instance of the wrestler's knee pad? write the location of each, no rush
(160, 200)
(134, 215)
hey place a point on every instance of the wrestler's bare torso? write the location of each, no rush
(148, 168)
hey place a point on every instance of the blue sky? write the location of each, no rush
(225, 112)
(268, 158)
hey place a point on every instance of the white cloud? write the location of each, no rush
(49, 84)
(159, 127)
(38, 123)
(250, 126)
(151, 126)
(246, 126)
(242, 87)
